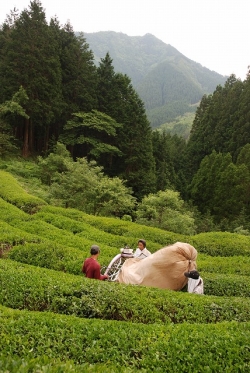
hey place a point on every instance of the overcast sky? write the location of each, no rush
(214, 33)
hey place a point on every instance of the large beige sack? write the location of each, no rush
(163, 269)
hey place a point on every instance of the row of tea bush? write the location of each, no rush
(38, 289)
(147, 348)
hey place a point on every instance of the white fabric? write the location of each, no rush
(195, 286)
(141, 254)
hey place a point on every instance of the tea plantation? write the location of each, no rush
(52, 319)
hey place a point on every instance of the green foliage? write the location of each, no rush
(165, 210)
(236, 265)
(216, 125)
(7, 140)
(210, 187)
(65, 340)
(118, 99)
(44, 364)
(11, 236)
(83, 185)
(94, 130)
(221, 243)
(8, 110)
(32, 288)
(181, 126)
(49, 255)
(30, 43)
(56, 162)
(12, 192)
(68, 339)
(126, 231)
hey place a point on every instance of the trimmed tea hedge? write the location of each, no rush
(122, 228)
(45, 364)
(11, 191)
(237, 265)
(11, 213)
(221, 244)
(12, 236)
(50, 255)
(149, 348)
(33, 288)
(84, 230)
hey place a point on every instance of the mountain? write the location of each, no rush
(169, 83)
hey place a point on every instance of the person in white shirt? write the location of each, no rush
(195, 282)
(141, 252)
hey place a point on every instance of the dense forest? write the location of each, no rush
(52, 92)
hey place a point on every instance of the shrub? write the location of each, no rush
(147, 348)
(27, 287)
(221, 244)
(12, 192)
(49, 255)
(237, 265)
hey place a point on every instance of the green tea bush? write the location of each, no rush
(49, 255)
(45, 364)
(12, 192)
(118, 227)
(13, 236)
(146, 348)
(226, 285)
(221, 244)
(237, 265)
(82, 229)
(28, 228)
(50, 232)
(53, 255)
(12, 214)
(28, 287)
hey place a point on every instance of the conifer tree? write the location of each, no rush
(118, 99)
(30, 59)
(78, 73)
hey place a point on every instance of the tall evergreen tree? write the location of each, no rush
(78, 73)
(165, 173)
(30, 59)
(219, 124)
(107, 96)
(205, 181)
(118, 99)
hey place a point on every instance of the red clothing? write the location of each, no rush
(92, 269)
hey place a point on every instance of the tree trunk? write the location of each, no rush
(25, 151)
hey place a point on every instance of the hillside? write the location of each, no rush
(83, 325)
(168, 82)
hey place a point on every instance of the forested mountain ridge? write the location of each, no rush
(168, 82)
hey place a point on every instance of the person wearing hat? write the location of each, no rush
(141, 252)
(91, 267)
(195, 282)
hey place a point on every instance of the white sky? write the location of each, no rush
(214, 33)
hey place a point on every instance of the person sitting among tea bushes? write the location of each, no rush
(91, 267)
(195, 282)
(141, 252)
